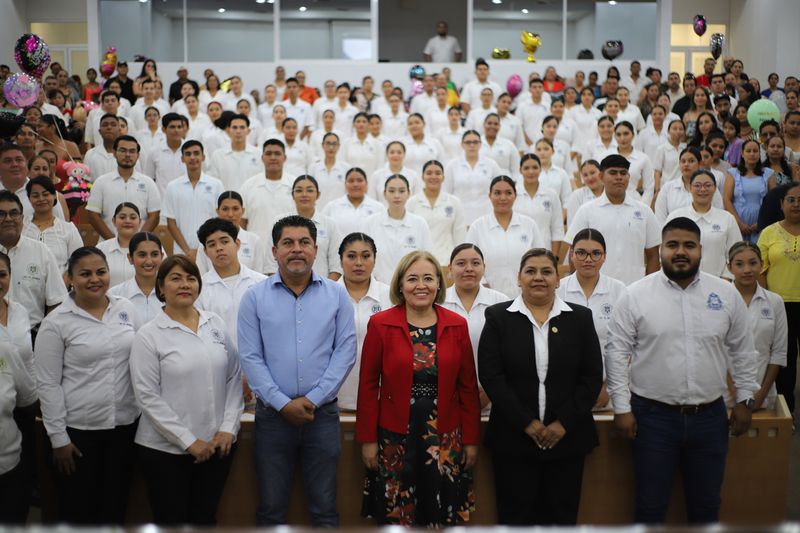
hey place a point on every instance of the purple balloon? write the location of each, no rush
(21, 89)
(32, 54)
(514, 85)
(700, 25)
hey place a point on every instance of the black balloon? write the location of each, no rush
(699, 25)
(717, 42)
(10, 123)
(612, 49)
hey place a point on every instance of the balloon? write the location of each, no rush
(10, 122)
(32, 54)
(514, 85)
(21, 89)
(612, 49)
(416, 88)
(762, 110)
(717, 42)
(530, 42)
(416, 72)
(501, 53)
(700, 25)
(109, 64)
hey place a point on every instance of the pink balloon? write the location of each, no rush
(416, 88)
(514, 85)
(21, 89)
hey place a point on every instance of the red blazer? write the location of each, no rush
(387, 371)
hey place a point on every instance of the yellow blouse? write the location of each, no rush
(780, 251)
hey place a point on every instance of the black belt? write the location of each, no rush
(682, 409)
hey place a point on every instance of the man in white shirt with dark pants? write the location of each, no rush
(672, 338)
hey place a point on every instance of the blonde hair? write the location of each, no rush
(395, 290)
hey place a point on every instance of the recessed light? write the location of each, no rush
(612, 2)
(270, 1)
(302, 9)
(260, 1)
(525, 11)
(497, 2)
(143, 1)
(221, 10)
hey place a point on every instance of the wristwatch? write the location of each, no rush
(748, 403)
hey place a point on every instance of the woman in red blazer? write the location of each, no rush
(418, 412)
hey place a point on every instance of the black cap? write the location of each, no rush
(480, 61)
(614, 161)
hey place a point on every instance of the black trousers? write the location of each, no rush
(180, 491)
(97, 492)
(531, 492)
(25, 417)
(14, 496)
(787, 377)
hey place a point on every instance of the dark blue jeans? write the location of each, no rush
(278, 446)
(667, 440)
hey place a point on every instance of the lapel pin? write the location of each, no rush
(554, 329)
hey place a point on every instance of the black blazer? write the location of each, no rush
(507, 372)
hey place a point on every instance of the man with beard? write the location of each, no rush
(671, 340)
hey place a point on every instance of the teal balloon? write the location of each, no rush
(762, 110)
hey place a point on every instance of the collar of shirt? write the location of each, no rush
(374, 291)
(212, 276)
(276, 280)
(451, 297)
(518, 306)
(515, 221)
(572, 285)
(386, 220)
(185, 179)
(423, 200)
(130, 289)
(134, 177)
(603, 200)
(671, 284)
(163, 321)
(760, 294)
(69, 306)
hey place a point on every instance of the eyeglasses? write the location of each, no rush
(13, 215)
(331, 144)
(583, 254)
(792, 200)
(706, 185)
(471, 143)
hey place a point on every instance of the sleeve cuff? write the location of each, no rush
(186, 438)
(59, 440)
(316, 397)
(278, 401)
(621, 403)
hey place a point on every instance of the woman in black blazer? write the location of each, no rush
(540, 364)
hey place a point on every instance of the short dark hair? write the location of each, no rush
(293, 221)
(42, 181)
(681, 223)
(9, 147)
(292, 79)
(167, 119)
(274, 142)
(8, 196)
(213, 225)
(769, 122)
(108, 93)
(80, 253)
(188, 144)
(171, 262)
(128, 138)
(240, 116)
(465, 246)
(109, 115)
(589, 234)
(357, 237)
(702, 172)
(229, 195)
(538, 252)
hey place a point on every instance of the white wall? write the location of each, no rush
(13, 23)
(213, 40)
(406, 25)
(632, 23)
(131, 36)
(764, 35)
(580, 36)
(715, 11)
(56, 10)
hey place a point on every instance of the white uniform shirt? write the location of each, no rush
(36, 279)
(264, 199)
(137, 112)
(366, 154)
(349, 217)
(147, 141)
(601, 302)
(394, 239)
(718, 232)
(189, 385)
(667, 161)
(476, 317)
(375, 301)
(544, 208)
(110, 190)
(331, 182)
(318, 108)
(595, 149)
(264, 111)
(378, 179)
(557, 179)
(628, 228)
(164, 166)
(233, 168)
(394, 126)
(634, 87)
(17, 389)
(451, 144)
(82, 369)
(511, 129)
(329, 237)
(673, 195)
(62, 238)
(436, 119)
(585, 125)
(442, 49)
(191, 206)
(233, 100)
(532, 115)
(502, 249)
(298, 158)
(471, 92)
(445, 220)
(675, 345)
(419, 153)
(576, 200)
(471, 184)
(120, 268)
(476, 117)
(300, 111)
(147, 306)
(648, 140)
(641, 170)
(315, 144)
(17, 332)
(633, 115)
(540, 341)
(197, 126)
(251, 253)
(504, 153)
(101, 162)
(222, 296)
(214, 139)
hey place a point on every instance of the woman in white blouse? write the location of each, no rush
(145, 254)
(357, 253)
(678, 193)
(442, 211)
(329, 170)
(396, 231)
(503, 151)
(298, 153)
(504, 235)
(88, 408)
(642, 176)
(354, 206)
(419, 146)
(718, 228)
(552, 176)
(61, 237)
(395, 164)
(318, 136)
(603, 143)
(450, 137)
(469, 298)
(540, 203)
(585, 117)
(589, 288)
(665, 165)
(188, 383)
(127, 222)
(469, 176)
(767, 316)
(15, 327)
(593, 187)
(361, 149)
(44, 164)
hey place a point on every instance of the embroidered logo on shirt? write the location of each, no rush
(607, 309)
(714, 302)
(208, 188)
(141, 186)
(766, 313)
(638, 215)
(716, 228)
(320, 232)
(217, 336)
(2, 363)
(246, 251)
(376, 308)
(123, 317)
(546, 204)
(411, 240)
(33, 269)
(523, 238)
(448, 211)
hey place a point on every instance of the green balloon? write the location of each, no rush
(762, 110)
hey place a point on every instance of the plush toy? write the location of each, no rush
(76, 188)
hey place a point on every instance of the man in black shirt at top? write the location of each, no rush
(682, 105)
(124, 81)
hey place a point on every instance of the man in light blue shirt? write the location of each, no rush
(297, 343)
